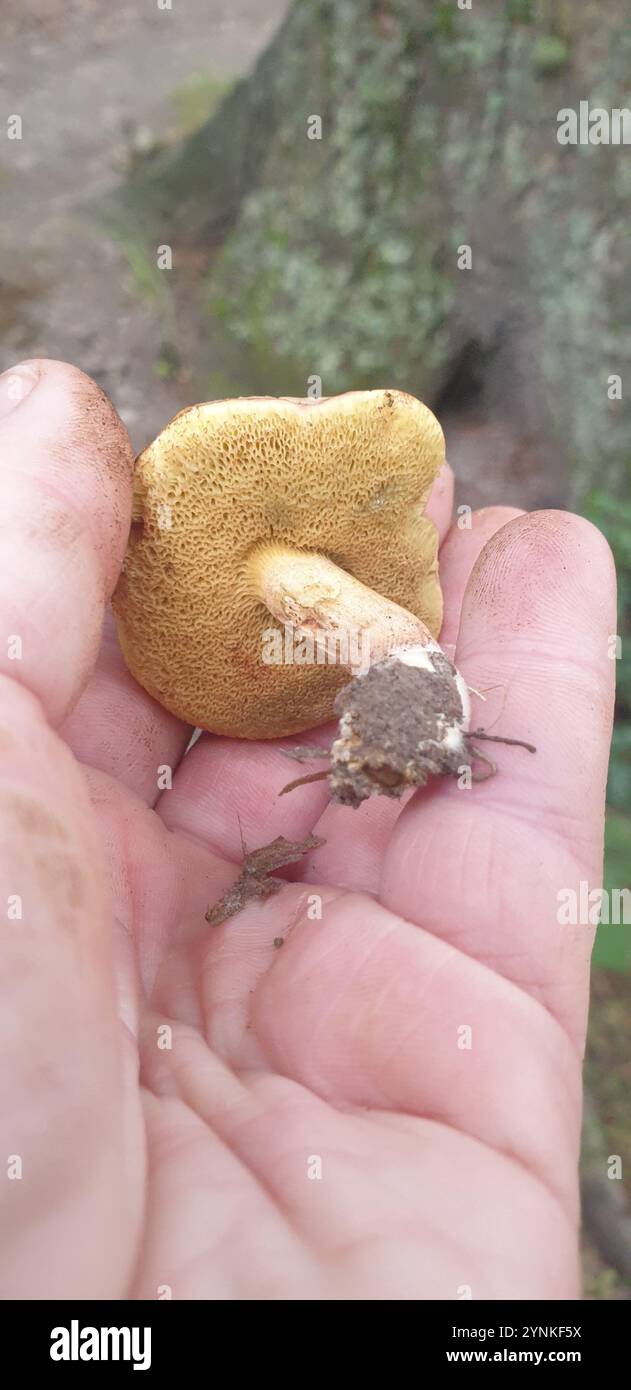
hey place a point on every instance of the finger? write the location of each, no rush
(484, 867)
(461, 548)
(119, 729)
(65, 485)
(65, 505)
(227, 792)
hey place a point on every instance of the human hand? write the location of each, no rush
(442, 1167)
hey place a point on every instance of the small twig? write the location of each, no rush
(494, 738)
(302, 781)
(306, 751)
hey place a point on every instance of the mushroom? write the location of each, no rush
(278, 546)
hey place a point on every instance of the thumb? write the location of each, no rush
(65, 495)
(65, 505)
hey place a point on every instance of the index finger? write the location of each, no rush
(488, 866)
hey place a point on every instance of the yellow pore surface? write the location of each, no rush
(346, 476)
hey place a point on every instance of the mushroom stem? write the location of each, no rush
(310, 592)
(404, 715)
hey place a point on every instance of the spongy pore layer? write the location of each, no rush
(347, 476)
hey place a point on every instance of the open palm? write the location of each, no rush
(387, 1105)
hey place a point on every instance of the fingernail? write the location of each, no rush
(15, 386)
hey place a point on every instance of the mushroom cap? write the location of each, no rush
(345, 476)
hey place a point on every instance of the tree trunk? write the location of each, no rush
(341, 257)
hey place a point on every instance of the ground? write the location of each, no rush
(95, 84)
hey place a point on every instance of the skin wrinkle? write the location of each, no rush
(534, 724)
(201, 840)
(558, 1030)
(256, 1184)
(115, 728)
(368, 1247)
(240, 1286)
(188, 1080)
(555, 1029)
(558, 822)
(331, 1001)
(22, 679)
(351, 1245)
(26, 678)
(495, 887)
(32, 732)
(129, 1008)
(399, 1046)
(533, 661)
(66, 538)
(204, 994)
(473, 855)
(69, 524)
(235, 1138)
(330, 951)
(221, 796)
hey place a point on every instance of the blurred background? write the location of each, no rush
(208, 198)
